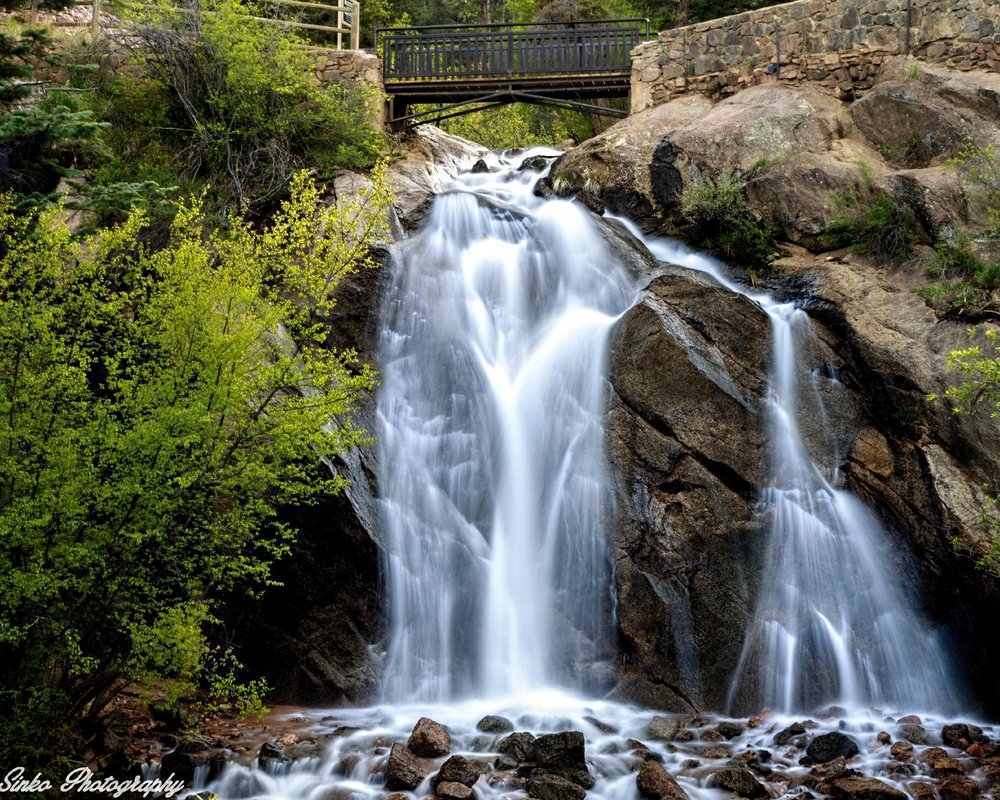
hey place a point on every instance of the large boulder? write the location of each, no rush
(687, 448)
(429, 739)
(922, 116)
(619, 165)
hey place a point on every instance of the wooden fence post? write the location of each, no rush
(95, 20)
(356, 26)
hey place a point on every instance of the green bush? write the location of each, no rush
(964, 284)
(157, 408)
(229, 101)
(716, 216)
(872, 222)
(980, 367)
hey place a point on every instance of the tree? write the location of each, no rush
(38, 141)
(231, 101)
(980, 366)
(157, 408)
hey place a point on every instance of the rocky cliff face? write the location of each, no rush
(689, 365)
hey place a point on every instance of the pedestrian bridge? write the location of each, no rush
(455, 69)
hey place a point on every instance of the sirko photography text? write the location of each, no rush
(83, 779)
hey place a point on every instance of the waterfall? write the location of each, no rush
(492, 470)
(832, 623)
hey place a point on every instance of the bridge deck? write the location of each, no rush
(546, 62)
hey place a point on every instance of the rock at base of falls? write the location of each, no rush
(429, 739)
(740, 781)
(552, 787)
(404, 770)
(831, 745)
(655, 783)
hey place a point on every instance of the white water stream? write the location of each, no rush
(495, 506)
(832, 624)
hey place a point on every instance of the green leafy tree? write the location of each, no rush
(157, 408)
(980, 367)
(222, 98)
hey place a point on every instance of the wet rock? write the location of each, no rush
(457, 769)
(183, 765)
(603, 727)
(403, 770)
(515, 749)
(398, 796)
(480, 166)
(494, 724)
(451, 790)
(429, 739)
(535, 163)
(655, 783)
(884, 737)
(939, 763)
(270, 755)
(730, 730)
(740, 781)
(919, 790)
(642, 752)
(859, 787)
(553, 787)
(663, 728)
(829, 746)
(711, 735)
(786, 736)
(958, 787)
(591, 201)
(719, 751)
(961, 735)
(913, 733)
(910, 719)
(902, 751)
(563, 754)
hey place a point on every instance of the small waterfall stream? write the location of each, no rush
(832, 623)
(496, 507)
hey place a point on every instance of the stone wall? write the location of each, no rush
(354, 69)
(839, 44)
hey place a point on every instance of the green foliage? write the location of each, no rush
(41, 139)
(964, 284)
(871, 221)
(520, 125)
(157, 407)
(980, 367)
(981, 168)
(233, 102)
(716, 216)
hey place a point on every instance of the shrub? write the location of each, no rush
(157, 408)
(234, 102)
(980, 366)
(964, 283)
(716, 216)
(871, 221)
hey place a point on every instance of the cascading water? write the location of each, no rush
(495, 507)
(832, 623)
(492, 474)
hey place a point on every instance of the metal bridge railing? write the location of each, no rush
(339, 21)
(456, 52)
